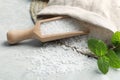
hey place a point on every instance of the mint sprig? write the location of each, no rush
(117, 51)
(103, 64)
(114, 59)
(116, 39)
(107, 56)
(97, 46)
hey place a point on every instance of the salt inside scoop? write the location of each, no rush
(60, 26)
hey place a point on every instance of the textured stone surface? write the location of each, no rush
(31, 60)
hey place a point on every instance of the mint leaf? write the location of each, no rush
(103, 64)
(116, 39)
(97, 46)
(117, 51)
(114, 59)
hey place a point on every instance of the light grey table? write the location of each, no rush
(19, 62)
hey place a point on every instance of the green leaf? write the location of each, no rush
(116, 38)
(114, 59)
(103, 64)
(117, 51)
(97, 46)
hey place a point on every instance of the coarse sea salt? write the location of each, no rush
(60, 26)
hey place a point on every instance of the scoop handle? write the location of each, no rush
(15, 36)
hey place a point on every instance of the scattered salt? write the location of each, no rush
(60, 26)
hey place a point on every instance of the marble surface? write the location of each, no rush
(31, 60)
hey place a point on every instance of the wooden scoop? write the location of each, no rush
(15, 36)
